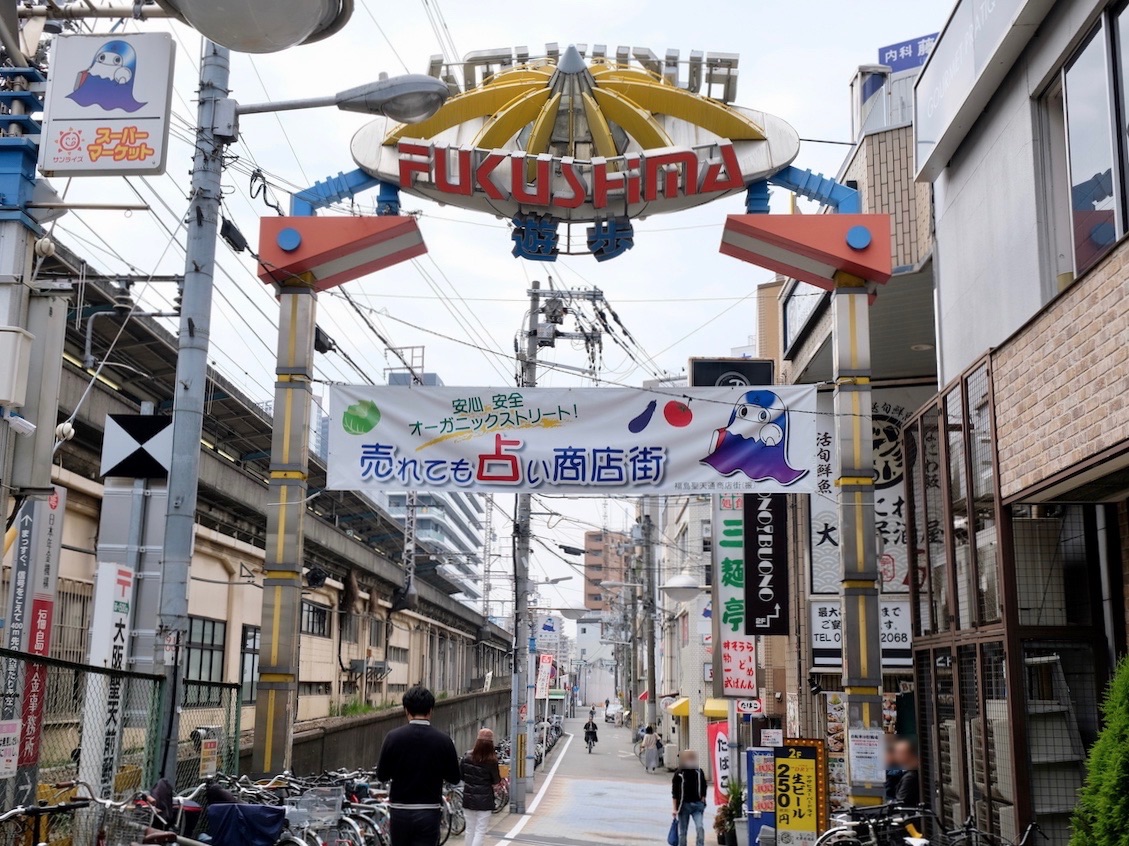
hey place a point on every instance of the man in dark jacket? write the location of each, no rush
(417, 759)
(688, 790)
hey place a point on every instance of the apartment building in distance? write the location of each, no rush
(605, 560)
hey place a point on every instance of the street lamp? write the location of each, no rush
(683, 587)
(262, 26)
(242, 21)
(409, 98)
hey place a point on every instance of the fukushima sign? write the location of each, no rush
(573, 440)
(579, 136)
(108, 103)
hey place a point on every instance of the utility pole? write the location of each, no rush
(862, 663)
(649, 593)
(524, 678)
(188, 404)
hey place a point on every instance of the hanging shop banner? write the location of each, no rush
(893, 633)
(891, 408)
(801, 790)
(766, 564)
(735, 659)
(9, 748)
(544, 675)
(719, 760)
(573, 440)
(107, 107)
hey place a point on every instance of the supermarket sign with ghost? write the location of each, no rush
(573, 440)
(107, 106)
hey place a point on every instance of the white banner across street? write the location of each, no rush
(573, 440)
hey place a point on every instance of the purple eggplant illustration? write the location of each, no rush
(640, 423)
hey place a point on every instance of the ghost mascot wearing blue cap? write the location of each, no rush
(108, 82)
(755, 442)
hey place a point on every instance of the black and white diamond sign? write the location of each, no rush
(137, 446)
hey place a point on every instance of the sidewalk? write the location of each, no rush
(601, 798)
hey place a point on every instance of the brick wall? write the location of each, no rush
(1060, 383)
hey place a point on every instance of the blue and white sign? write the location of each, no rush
(907, 55)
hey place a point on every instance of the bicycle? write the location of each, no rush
(501, 794)
(884, 825)
(14, 830)
(969, 835)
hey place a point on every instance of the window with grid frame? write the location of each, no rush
(350, 628)
(249, 663)
(203, 661)
(375, 631)
(315, 619)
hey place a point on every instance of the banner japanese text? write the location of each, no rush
(735, 659)
(573, 440)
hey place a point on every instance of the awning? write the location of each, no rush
(717, 708)
(679, 707)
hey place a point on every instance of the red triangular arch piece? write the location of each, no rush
(812, 248)
(335, 249)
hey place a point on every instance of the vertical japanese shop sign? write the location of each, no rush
(735, 658)
(9, 747)
(891, 408)
(39, 539)
(762, 780)
(718, 734)
(103, 711)
(766, 564)
(108, 103)
(544, 674)
(801, 789)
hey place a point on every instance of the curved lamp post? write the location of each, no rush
(683, 587)
(262, 26)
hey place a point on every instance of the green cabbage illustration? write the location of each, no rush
(360, 418)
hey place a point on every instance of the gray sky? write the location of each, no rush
(674, 291)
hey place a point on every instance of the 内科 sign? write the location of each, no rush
(735, 658)
(578, 440)
(108, 103)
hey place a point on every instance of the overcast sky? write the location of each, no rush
(674, 291)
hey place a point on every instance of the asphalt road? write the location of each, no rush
(601, 798)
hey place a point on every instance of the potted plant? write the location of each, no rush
(729, 815)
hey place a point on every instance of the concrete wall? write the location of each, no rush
(994, 270)
(1060, 384)
(353, 742)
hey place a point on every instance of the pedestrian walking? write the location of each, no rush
(688, 790)
(650, 749)
(417, 759)
(480, 774)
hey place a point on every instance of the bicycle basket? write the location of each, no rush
(320, 805)
(124, 826)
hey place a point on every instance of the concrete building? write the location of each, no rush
(595, 661)
(605, 560)
(1019, 466)
(353, 649)
(807, 670)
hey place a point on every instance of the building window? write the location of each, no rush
(315, 619)
(314, 688)
(203, 661)
(584, 630)
(397, 655)
(707, 536)
(375, 632)
(350, 628)
(249, 663)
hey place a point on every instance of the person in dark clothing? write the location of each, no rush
(480, 774)
(908, 792)
(894, 770)
(688, 790)
(591, 730)
(417, 759)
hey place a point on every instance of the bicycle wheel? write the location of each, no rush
(445, 824)
(369, 829)
(349, 833)
(289, 839)
(501, 797)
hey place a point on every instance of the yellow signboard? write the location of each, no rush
(801, 787)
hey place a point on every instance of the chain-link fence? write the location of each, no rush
(209, 732)
(62, 722)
